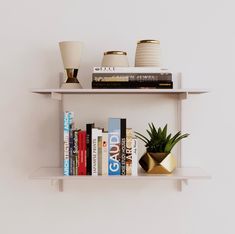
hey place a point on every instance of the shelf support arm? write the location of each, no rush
(183, 96)
(56, 96)
(59, 183)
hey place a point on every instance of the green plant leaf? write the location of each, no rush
(168, 138)
(142, 137)
(164, 132)
(175, 136)
(158, 140)
(176, 141)
(150, 133)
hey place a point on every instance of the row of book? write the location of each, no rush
(97, 152)
(131, 78)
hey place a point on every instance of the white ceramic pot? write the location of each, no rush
(115, 59)
(148, 54)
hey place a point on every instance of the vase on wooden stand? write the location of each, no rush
(71, 56)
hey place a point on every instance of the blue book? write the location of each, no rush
(68, 122)
(114, 152)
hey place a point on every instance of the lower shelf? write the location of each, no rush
(185, 173)
(181, 174)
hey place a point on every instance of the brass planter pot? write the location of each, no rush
(158, 163)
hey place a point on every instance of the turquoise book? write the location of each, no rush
(114, 153)
(68, 125)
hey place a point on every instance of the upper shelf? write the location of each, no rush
(120, 91)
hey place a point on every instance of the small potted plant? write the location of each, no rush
(158, 158)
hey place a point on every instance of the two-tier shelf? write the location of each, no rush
(181, 174)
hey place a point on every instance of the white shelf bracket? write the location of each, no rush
(183, 96)
(181, 183)
(185, 182)
(179, 186)
(56, 96)
(59, 184)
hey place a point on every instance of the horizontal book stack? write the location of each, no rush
(131, 78)
(94, 151)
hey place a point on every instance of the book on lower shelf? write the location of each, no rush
(114, 140)
(68, 126)
(75, 152)
(94, 151)
(89, 127)
(104, 155)
(82, 153)
(96, 134)
(129, 151)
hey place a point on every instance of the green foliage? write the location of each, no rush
(158, 140)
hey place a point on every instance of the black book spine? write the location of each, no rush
(88, 147)
(123, 147)
(131, 77)
(133, 85)
(165, 85)
(75, 152)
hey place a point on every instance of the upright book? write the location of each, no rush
(114, 137)
(71, 168)
(123, 147)
(68, 123)
(134, 151)
(75, 152)
(104, 156)
(100, 156)
(82, 153)
(88, 147)
(128, 151)
(96, 133)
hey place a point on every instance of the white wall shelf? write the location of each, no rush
(120, 91)
(57, 93)
(180, 174)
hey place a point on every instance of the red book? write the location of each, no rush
(79, 150)
(82, 153)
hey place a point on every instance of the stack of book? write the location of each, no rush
(97, 152)
(131, 78)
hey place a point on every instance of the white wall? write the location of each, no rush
(197, 38)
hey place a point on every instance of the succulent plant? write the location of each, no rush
(158, 140)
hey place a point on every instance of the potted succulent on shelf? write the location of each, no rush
(158, 158)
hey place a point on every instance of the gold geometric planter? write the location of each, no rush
(158, 163)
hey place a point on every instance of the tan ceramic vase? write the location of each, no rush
(115, 59)
(148, 54)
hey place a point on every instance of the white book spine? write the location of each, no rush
(129, 151)
(94, 150)
(130, 70)
(134, 169)
(104, 154)
(100, 157)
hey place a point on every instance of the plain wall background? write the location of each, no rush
(197, 38)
